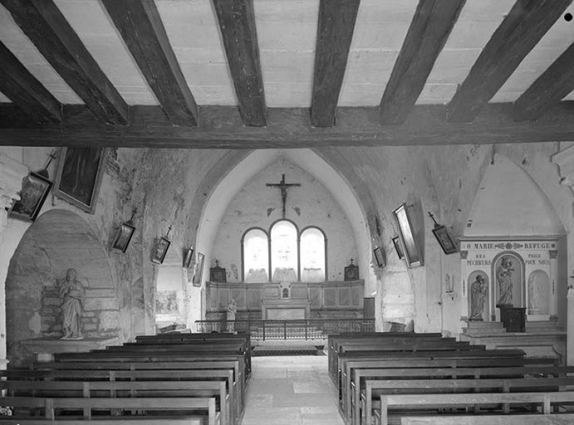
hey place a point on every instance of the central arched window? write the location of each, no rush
(284, 252)
(286, 255)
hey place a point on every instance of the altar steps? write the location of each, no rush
(542, 340)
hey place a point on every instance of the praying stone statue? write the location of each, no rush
(72, 293)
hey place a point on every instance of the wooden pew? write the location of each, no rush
(364, 380)
(135, 376)
(413, 359)
(352, 367)
(475, 400)
(158, 358)
(536, 419)
(175, 338)
(419, 344)
(238, 384)
(123, 420)
(376, 388)
(53, 407)
(334, 341)
(117, 389)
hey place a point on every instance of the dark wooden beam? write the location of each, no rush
(551, 87)
(334, 35)
(26, 91)
(430, 28)
(46, 27)
(237, 25)
(141, 27)
(222, 128)
(519, 32)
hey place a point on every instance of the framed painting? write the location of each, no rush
(79, 176)
(398, 248)
(444, 240)
(160, 250)
(217, 274)
(379, 257)
(35, 189)
(123, 237)
(412, 252)
(198, 269)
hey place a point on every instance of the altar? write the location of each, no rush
(285, 309)
(286, 300)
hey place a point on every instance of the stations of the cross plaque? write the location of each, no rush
(282, 186)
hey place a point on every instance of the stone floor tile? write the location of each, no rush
(294, 390)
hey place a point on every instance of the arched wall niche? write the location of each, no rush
(511, 210)
(57, 241)
(334, 180)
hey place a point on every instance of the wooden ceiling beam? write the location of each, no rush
(222, 128)
(335, 27)
(237, 27)
(46, 27)
(429, 30)
(26, 91)
(142, 29)
(549, 89)
(519, 32)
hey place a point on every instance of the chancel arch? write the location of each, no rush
(296, 163)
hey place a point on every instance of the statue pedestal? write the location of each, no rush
(45, 348)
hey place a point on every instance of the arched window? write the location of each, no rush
(284, 252)
(255, 256)
(313, 258)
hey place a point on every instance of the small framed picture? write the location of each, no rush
(379, 257)
(398, 248)
(351, 272)
(412, 252)
(187, 258)
(444, 240)
(123, 237)
(198, 269)
(160, 250)
(35, 189)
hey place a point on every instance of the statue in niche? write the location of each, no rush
(72, 293)
(504, 279)
(533, 294)
(478, 293)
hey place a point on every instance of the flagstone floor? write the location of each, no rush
(291, 390)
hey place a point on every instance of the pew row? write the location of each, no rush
(62, 407)
(432, 402)
(376, 388)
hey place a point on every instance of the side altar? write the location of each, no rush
(287, 300)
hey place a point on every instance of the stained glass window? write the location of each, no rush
(284, 252)
(255, 256)
(313, 255)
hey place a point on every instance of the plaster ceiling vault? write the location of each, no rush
(285, 73)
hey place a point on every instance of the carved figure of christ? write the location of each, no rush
(282, 186)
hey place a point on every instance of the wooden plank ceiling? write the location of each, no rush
(285, 73)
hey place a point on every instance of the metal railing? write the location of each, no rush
(287, 329)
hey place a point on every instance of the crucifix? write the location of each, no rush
(283, 188)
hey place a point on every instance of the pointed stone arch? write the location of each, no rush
(327, 166)
(56, 241)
